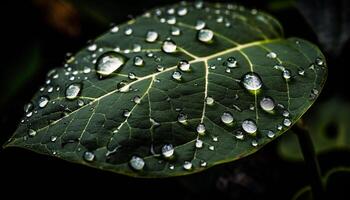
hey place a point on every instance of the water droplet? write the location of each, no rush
(92, 47)
(137, 99)
(86, 70)
(29, 114)
(89, 156)
(137, 163)
(286, 74)
(239, 135)
(154, 122)
(270, 134)
(184, 65)
(231, 62)
(199, 143)
(279, 127)
(151, 36)
(175, 31)
(254, 143)
(115, 29)
(205, 35)
(80, 102)
(203, 163)
(28, 107)
(227, 118)
(50, 89)
(251, 107)
(187, 165)
(301, 72)
(128, 31)
(169, 46)
(132, 76)
(73, 91)
(287, 122)
(43, 101)
(182, 11)
(160, 68)
(319, 61)
(267, 104)
(31, 133)
(215, 138)
(285, 113)
(200, 24)
(109, 62)
(313, 94)
(251, 81)
(201, 129)
(126, 113)
(271, 55)
(53, 138)
(171, 20)
(168, 150)
(249, 126)
(209, 101)
(171, 167)
(138, 61)
(177, 75)
(182, 118)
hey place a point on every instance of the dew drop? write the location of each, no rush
(175, 31)
(151, 36)
(137, 163)
(249, 126)
(200, 24)
(137, 99)
(126, 113)
(251, 81)
(211, 148)
(201, 129)
(138, 61)
(267, 104)
(160, 68)
(177, 75)
(92, 47)
(128, 31)
(209, 101)
(184, 65)
(31, 133)
(285, 113)
(215, 138)
(279, 127)
(109, 62)
(80, 102)
(203, 163)
(205, 35)
(182, 11)
(270, 134)
(131, 76)
(227, 118)
(29, 114)
(287, 122)
(187, 165)
(171, 167)
(231, 62)
(169, 46)
(319, 61)
(73, 90)
(86, 70)
(271, 55)
(239, 135)
(199, 144)
(254, 143)
(301, 72)
(168, 150)
(182, 118)
(28, 107)
(286, 74)
(89, 156)
(43, 101)
(115, 29)
(313, 94)
(53, 138)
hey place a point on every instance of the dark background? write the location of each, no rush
(37, 34)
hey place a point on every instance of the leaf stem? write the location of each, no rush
(311, 162)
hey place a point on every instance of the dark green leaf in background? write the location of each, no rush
(175, 91)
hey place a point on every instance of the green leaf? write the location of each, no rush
(329, 129)
(126, 106)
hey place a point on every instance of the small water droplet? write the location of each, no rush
(182, 118)
(205, 35)
(160, 68)
(301, 72)
(211, 148)
(168, 150)
(201, 129)
(182, 11)
(53, 138)
(31, 133)
(267, 104)
(287, 122)
(227, 118)
(177, 75)
(215, 138)
(270, 134)
(199, 143)
(137, 163)
(239, 135)
(138, 61)
(175, 31)
(89, 156)
(92, 47)
(126, 113)
(251, 81)
(203, 163)
(80, 102)
(137, 99)
(187, 165)
(115, 29)
(249, 126)
(151, 36)
(209, 101)
(285, 113)
(271, 55)
(29, 114)
(184, 65)
(287, 74)
(319, 61)
(231, 62)
(279, 127)
(313, 94)
(43, 101)
(28, 107)
(200, 24)
(171, 20)
(132, 76)
(169, 46)
(254, 143)
(109, 62)
(128, 31)
(73, 90)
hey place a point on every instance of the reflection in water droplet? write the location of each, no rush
(187, 165)
(184, 65)
(279, 127)
(168, 150)
(251, 81)
(267, 104)
(73, 90)
(209, 101)
(285, 113)
(89, 156)
(249, 126)
(177, 75)
(169, 46)
(31, 133)
(43, 101)
(151, 36)
(160, 68)
(80, 102)
(201, 129)
(171, 167)
(199, 143)
(138, 61)
(137, 163)
(205, 35)
(227, 118)
(109, 62)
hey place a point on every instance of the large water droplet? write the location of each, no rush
(169, 46)
(168, 150)
(251, 81)
(227, 118)
(249, 126)
(137, 163)
(177, 75)
(187, 165)
(89, 156)
(205, 35)
(31, 133)
(267, 104)
(151, 36)
(184, 65)
(109, 62)
(201, 129)
(138, 61)
(199, 143)
(43, 101)
(73, 90)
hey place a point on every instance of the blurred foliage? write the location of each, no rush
(333, 181)
(329, 128)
